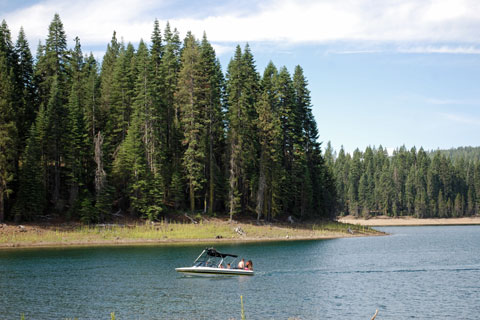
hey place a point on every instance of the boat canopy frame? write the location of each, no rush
(212, 256)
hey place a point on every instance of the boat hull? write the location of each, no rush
(212, 272)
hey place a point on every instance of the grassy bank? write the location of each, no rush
(215, 230)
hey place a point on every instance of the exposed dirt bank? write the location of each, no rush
(408, 221)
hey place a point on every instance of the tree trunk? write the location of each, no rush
(211, 182)
(261, 188)
(192, 197)
(73, 193)
(99, 172)
(2, 205)
(56, 189)
(233, 185)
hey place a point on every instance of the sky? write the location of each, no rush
(385, 72)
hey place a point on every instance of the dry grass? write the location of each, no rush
(211, 230)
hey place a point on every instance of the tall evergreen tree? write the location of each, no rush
(242, 93)
(8, 132)
(190, 101)
(53, 62)
(121, 97)
(172, 164)
(269, 135)
(28, 103)
(31, 200)
(214, 119)
(78, 152)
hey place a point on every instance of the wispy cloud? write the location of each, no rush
(422, 22)
(440, 101)
(461, 118)
(359, 51)
(450, 49)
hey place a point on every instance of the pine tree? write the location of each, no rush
(458, 206)
(106, 76)
(32, 192)
(28, 103)
(53, 62)
(7, 48)
(190, 101)
(56, 113)
(159, 120)
(317, 192)
(242, 93)
(171, 163)
(353, 180)
(410, 191)
(121, 99)
(92, 96)
(214, 120)
(53, 83)
(134, 162)
(8, 132)
(269, 135)
(78, 151)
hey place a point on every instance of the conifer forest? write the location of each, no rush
(440, 184)
(154, 130)
(161, 129)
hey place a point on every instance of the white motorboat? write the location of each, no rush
(213, 263)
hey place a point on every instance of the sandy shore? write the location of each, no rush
(408, 221)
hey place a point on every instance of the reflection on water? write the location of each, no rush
(420, 272)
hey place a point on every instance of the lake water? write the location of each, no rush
(417, 272)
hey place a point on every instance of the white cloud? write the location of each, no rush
(425, 23)
(460, 118)
(92, 21)
(437, 101)
(442, 49)
(222, 49)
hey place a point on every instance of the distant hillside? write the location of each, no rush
(466, 153)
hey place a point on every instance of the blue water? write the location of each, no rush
(416, 272)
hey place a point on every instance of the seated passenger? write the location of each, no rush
(228, 265)
(241, 264)
(249, 265)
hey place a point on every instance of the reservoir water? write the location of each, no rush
(416, 272)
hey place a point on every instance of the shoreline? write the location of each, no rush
(160, 242)
(211, 232)
(385, 221)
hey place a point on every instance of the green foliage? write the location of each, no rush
(406, 183)
(190, 101)
(242, 92)
(87, 212)
(155, 127)
(31, 199)
(8, 132)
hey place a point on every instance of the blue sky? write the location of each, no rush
(385, 72)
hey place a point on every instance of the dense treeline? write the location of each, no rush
(410, 182)
(154, 129)
(461, 153)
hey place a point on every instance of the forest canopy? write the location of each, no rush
(440, 184)
(153, 130)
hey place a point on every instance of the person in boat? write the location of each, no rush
(228, 265)
(241, 264)
(249, 265)
(221, 266)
